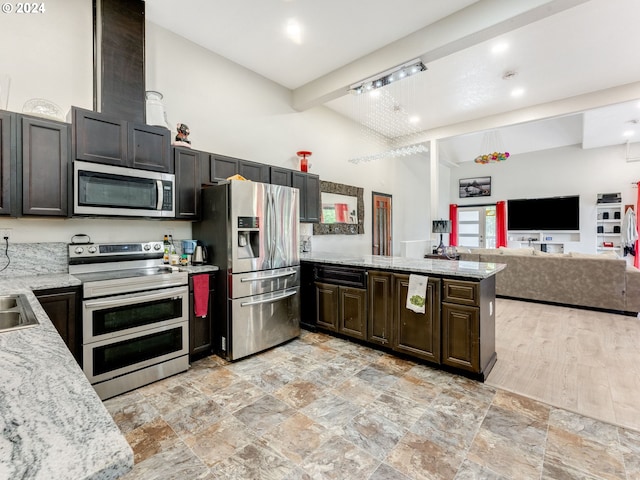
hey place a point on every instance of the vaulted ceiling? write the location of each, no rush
(566, 56)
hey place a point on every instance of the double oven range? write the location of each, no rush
(135, 315)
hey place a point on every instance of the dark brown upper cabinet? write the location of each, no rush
(187, 168)
(7, 162)
(309, 186)
(44, 154)
(105, 139)
(280, 176)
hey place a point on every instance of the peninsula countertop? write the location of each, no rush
(452, 268)
(53, 424)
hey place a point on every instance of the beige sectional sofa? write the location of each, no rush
(596, 281)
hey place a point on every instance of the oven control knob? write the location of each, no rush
(79, 250)
(93, 249)
(147, 246)
(156, 246)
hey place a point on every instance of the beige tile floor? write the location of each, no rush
(324, 408)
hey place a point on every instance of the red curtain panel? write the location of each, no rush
(453, 217)
(501, 224)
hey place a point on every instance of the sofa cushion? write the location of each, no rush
(602, 256)
(540, 253)
(632, 293)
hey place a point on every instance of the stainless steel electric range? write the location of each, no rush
(135, 315)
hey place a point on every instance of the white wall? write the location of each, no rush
(49, 55)
(233, 111)
(557, 172)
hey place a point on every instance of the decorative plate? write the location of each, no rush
(41, 107)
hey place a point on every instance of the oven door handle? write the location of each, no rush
(159, 192)
(269, 300)
(268, 277)
(137, 298)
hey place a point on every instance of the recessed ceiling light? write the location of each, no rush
(517, 92)
(499, 48)
(628, 133)
(414, 119)
(294, 31)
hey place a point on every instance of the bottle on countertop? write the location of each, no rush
(167, 249)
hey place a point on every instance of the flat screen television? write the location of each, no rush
(553, 213)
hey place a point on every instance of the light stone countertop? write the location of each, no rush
(423, 266)
(54, 426)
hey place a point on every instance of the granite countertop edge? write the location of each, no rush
(53, 425)
(453, 268)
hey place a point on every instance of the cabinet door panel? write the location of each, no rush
(327, 298)
(380, 313)
(352, 316)
(461, 337)
(201, 328)
(280, 176)
(45, 163)
(256, 172)
(417, 334)
(61, 310)
(187, 168)
(223, 167)
(313, 199)
(149, 148)
(99, 138)
(7, 158)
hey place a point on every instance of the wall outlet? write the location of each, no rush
(5, 232)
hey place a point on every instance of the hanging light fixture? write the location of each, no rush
(385, 78)
(492, 149)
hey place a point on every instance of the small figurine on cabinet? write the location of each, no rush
(182, 136)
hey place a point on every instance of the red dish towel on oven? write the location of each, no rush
(200, 295)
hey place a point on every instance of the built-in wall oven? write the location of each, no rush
(135, 315)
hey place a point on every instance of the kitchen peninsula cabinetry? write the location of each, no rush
(468, 326)
(457, 330)
(187, 171)
(44, 172)
(62, 305)
(101, 138)
(309, 186)
(341, 300)
(417, 334)
(380, 290)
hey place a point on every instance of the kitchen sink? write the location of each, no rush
(15, 313)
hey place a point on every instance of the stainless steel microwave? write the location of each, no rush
(126, 192)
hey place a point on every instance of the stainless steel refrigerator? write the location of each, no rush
(250, 231)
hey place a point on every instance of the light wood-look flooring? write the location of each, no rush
(579, 360)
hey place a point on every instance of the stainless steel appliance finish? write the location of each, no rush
(250, 231)
(109, 190)
(135, 315)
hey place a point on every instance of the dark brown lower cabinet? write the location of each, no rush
(417, 334)
(342, 309)
(380, 311)
(62, 305)
(461, 336)
(201, 328)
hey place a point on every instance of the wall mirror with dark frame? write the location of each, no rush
(342, 210)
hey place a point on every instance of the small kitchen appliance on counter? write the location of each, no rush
(135, 315)
(250, 231)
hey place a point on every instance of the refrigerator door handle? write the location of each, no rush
(269, 300)
(268, 277)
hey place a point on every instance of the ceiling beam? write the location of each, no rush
(479, 22)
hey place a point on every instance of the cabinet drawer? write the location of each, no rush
(348, 276)
(462, 292)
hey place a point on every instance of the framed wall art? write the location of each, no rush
(474, 187)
